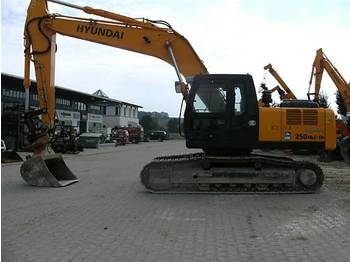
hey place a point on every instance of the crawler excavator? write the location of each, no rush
(287, 97)
(322, 63)
(222, 115)
(284, 92)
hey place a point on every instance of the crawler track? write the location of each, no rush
(199, 173)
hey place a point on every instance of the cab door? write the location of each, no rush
(243, 113)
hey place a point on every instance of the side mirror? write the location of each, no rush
(178, 87)
(181, 88)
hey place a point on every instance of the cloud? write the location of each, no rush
(230, 36)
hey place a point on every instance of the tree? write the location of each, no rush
(173, 125)
(323, 100)
(341, 104)
(149, 123)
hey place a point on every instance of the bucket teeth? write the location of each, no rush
(47, 171)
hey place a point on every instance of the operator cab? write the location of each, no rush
(221, 115)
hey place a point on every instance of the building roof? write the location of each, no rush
(82, 95)
(100, 93)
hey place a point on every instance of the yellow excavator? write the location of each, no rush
(222, 116)
(287, 97)
(285, 93)
(322, 63)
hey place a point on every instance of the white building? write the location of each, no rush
(118, 113)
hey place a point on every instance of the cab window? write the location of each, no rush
(239, 105)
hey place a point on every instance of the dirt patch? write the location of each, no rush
(337, 173)
(302, 238)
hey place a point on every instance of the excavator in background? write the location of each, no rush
(277, 88)
(222, 116)
(285, 93)
(322, 63)
(287, 97)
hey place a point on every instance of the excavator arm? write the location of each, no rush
(320, 64)
(287, 94)
(153, 38)
(284, 93)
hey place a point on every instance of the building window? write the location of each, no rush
(116, 110)
(13, 93)
(94, 107)
(62, 101)
(79, 106)
(94, 127)
(110, 111)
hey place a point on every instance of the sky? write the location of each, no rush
(230, 36)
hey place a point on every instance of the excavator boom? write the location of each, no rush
(120, 31)
(288, 92)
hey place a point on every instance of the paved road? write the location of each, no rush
(107, 216)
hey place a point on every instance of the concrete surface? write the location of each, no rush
(107, 216)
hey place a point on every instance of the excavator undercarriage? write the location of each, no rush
(200, 173)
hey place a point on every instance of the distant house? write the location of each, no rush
(117, 113)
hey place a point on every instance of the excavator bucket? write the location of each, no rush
(47, 171)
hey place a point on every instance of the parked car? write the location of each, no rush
(157, 135)
(90, 140)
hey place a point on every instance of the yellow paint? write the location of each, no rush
(269, 124)
(306, 125)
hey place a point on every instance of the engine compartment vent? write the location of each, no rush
(310, 117)
(293, 117)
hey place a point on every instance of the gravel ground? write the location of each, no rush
(107, 216)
